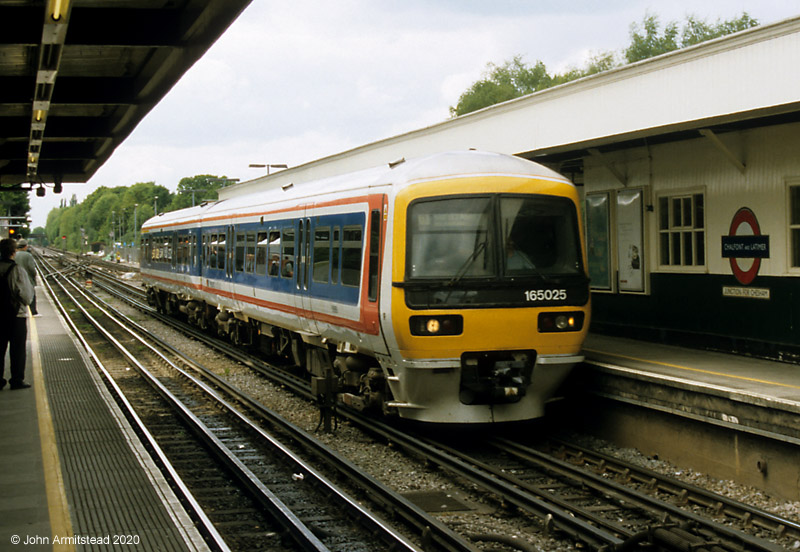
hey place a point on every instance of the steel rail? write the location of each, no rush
(194, 510)
(300, 387)
(686, 492)
(578, 529)
(530, 455)
(435, 532)
(549, 514)
(302, 535)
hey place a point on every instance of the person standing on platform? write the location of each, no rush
(16, 293)
(25, 260)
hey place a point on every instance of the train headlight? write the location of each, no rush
(560, 321)
(565, 322)
(450, 324)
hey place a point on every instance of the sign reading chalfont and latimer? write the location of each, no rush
(740, 247)
(744, 244)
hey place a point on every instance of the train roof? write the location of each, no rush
(175, 217)
(398, 174)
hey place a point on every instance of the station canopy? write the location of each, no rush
(77, 76)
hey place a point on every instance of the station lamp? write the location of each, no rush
(58, 8)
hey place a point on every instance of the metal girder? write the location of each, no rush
(729, 155)
(77, 76)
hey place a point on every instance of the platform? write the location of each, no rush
(750, 394)
(732, 417)
(778, 381)
(74, 475)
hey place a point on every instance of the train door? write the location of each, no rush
(230, 252)
(303, 267)
(374, 242)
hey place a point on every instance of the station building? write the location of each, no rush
(689, 169)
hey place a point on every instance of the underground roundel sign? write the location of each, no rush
(744, 241)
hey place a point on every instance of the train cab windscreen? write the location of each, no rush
(468, 243)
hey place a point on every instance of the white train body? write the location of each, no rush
(398, 283)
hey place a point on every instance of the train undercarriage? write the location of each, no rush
(338, 372)
(478, 388)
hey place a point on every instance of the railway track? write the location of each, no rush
(715, 506)
(590, 508)
(562, 497)
(285, 493)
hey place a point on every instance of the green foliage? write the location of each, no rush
(501, 83)
(514, 78)
(118, 213)
(39, 231)
(15, 204)
(648, 40)
(106, 213)
(196, 189)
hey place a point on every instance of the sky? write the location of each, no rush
(290, 82)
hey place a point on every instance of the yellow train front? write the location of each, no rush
(489, 294)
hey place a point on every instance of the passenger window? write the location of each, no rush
(240, 251)
(335, 256)
(274, 252)
(183, 255)
(221, 251)
(374, 253)
(250, 253)
(214, 245)
(351, 255)
(322, 253)
(261, 253)
(287, 256)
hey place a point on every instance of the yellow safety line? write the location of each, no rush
(699, 370)
(60, 522)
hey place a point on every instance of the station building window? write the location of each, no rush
(794, 224)
(681, 227)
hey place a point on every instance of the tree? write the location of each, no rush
(107, 212)
(648, 41)
(15, 204)
(196, 189)
(696, 31)
(502, 83)
(39, 231)
(514, 78)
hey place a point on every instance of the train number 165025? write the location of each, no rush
(546, 295)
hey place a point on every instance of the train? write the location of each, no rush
(446, 289)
